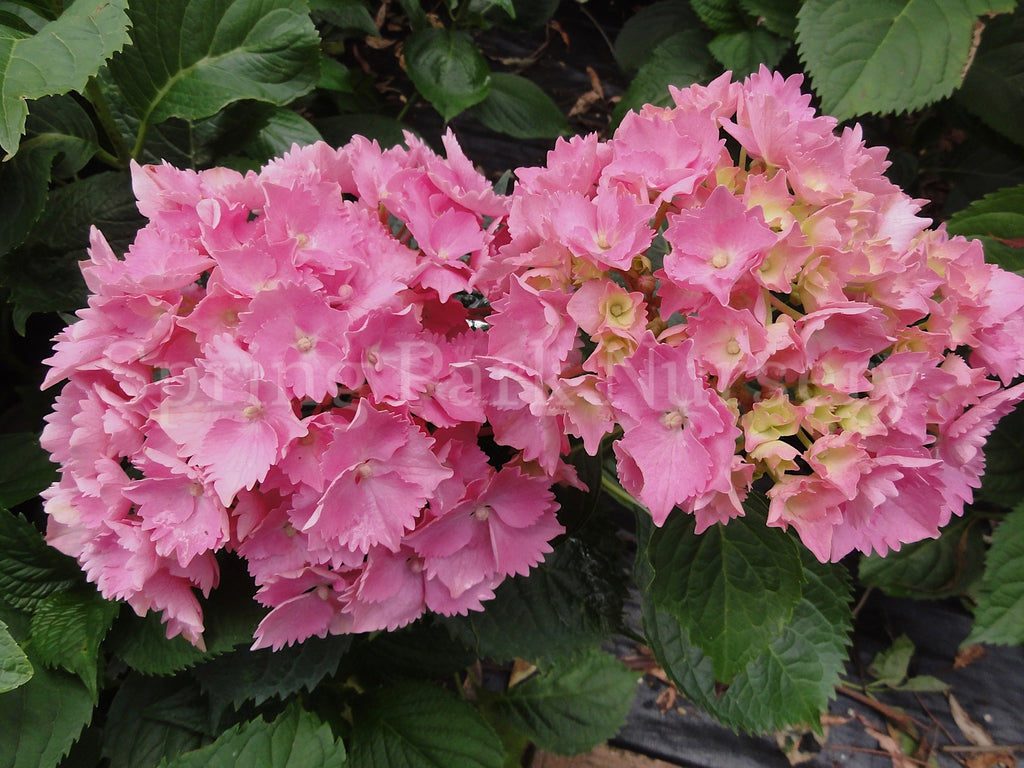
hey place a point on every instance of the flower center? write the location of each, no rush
(482, 512)
(732, 347)
(720, 260)
(673, 419)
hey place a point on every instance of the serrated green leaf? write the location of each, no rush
(518, 107)
(568, 603)
(999, 616)
(868, 56)
(417, 725)
(67, 629)
(791, 682)
(778, 16)
(29, 569)
(994, 87)
(244, 675)
(151, 719)
(191, 58)
(680, 60)
(930, 569)
(295, 739)
(720, 15)
(15, 668)
(40, 720)
(61, 57)
(572, 708)
(646, 28)
(26, 470)
(734, 586)
(447, 69)
(424, 650)
(998, 221)
(747, 49)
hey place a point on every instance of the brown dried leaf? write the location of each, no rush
(968, 655)
(900, 759)
(378, 43)
(973, 732)
(521, 670)
(666, 699)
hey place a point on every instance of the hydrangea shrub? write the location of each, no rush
(360, 370)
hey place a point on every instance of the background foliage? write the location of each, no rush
(87, 87)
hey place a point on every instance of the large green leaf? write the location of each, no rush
(720, 15)
(568, 603)
(256, 676)
(15, 668)
(994, 86)
(867, 56)
(733, 587)
(417, 725)
(40, 720)
(571, 708)
(296, 739)
(29, 569)
(998, 221)
(518, 107)
(447, 68)
(61, 57)
(999, 616)
(931, 569)
(191, 58)
(67, 629)
(153, 718)
(790, 682)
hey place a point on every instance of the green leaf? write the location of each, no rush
(26, 470)
(29, 569)
(417, 725)
(680, 60)
(998, 221)
(40, 720)
(283, 129)
(1003, 481)
(518, 107)
(999, 616)
(154, 718)
(15, 668)
(191, 58)
(790, 682)
(424, 650)
(73, 47)
(67, 629)
(867, 56)
(994, 87)
(571, 708)
(447, 69)
(349, 16)
(734, 586)
(296, 739)
(889, 667)
(60, 140)
(778, 16)
(568, 603)
(256, 676)
(338, 130)
(720, 15)
(646, 28)
(744, 51)
(931, 569)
